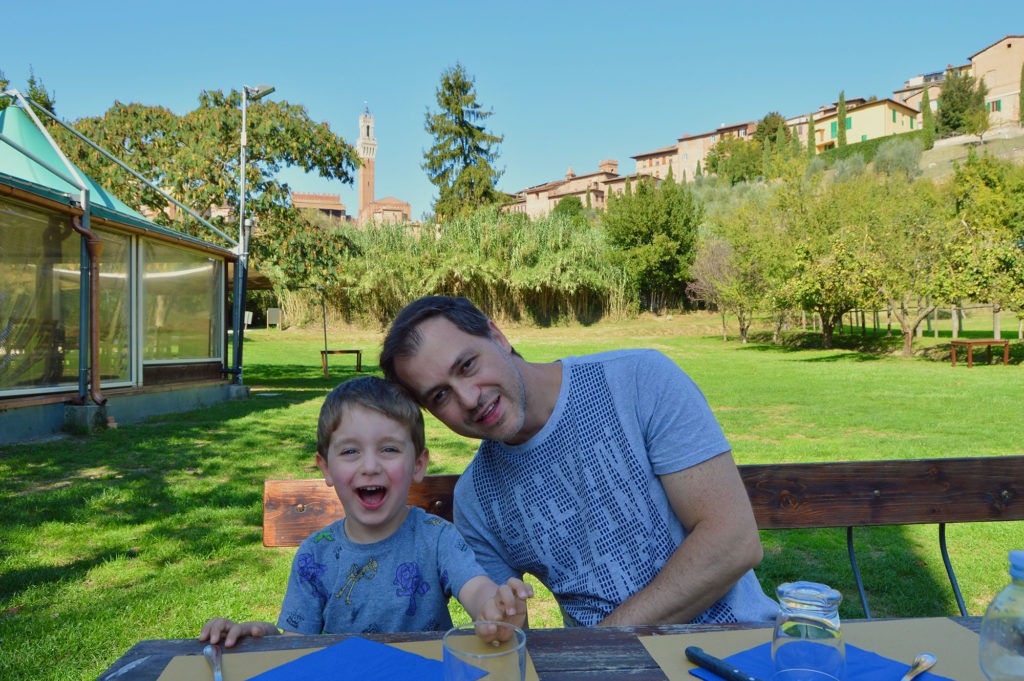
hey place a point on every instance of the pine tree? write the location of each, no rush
(962, 107)
(927, 120)
(841, 121)
(461, 161)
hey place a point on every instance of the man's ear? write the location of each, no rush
(498, 337)
(419, 469)
(321, 463)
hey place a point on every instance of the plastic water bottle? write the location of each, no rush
(1001, 647)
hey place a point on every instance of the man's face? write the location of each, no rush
(472, 384)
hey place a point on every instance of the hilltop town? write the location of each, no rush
(999, 65)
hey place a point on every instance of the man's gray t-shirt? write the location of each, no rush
(402, 583)
(580, 505)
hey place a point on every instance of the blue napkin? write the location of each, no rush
(359, 659)
(861, 665)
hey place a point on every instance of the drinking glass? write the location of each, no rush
(807, 642)
(503, 661)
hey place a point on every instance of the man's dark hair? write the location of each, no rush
(403, 338)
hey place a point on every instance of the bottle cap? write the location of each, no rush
(1017, 564)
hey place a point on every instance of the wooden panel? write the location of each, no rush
(294, 509)
(841, 494)
(783, 496)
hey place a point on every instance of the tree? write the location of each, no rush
(572, 208)
(812, 146)
(841, 120)
(36, 92)
(768, 129)
(1020, 98)
(735, 159)
(654, 229)
(461, 161)
(899, 157)
(984, 248)
(962, 105)
(927, 120)
(194, 158)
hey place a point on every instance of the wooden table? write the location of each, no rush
(580, 654)
(987, 344)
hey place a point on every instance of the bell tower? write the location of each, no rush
(367, 149)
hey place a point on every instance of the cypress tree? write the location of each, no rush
(927, 120)
(1020, 98)
(841, 121)
(811, 146)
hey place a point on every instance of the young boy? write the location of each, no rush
(384, 567)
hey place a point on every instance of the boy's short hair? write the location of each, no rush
(403, 338)
(373, 393)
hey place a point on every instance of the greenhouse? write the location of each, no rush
(105, 316)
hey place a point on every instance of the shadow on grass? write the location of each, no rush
(847, 348)
(886, 556)
(854, 347)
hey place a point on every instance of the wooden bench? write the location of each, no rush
(783, 496)
(987, 344)
(357, 353)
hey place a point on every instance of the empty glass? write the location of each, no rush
(504, 661)
(807, 643)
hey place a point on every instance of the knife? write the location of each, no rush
(718, 666)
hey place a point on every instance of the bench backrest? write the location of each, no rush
(295, 509)
(783, 496)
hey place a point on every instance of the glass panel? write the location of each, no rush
(181, 294)
(115, 308)
(40, 257)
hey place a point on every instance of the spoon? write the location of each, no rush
(212, 654)
(921, 663)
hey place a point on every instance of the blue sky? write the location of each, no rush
(570, 83)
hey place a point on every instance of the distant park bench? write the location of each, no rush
(844, 494)
(357, 353)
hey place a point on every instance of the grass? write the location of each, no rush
(147, 530)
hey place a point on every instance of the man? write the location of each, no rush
(605, 476)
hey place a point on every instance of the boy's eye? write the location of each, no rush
(347, 451)
(439, 396)
(467, 365)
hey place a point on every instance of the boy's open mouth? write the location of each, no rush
(372, 497)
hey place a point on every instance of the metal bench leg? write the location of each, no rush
(949, 570)
(856, 572)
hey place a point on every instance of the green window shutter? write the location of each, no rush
(911, 122)
(998, 104)
(894, 115)
(849, 122)
(835, 129)
(863, 138)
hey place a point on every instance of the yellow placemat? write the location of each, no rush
(243, 666)
(955, 646)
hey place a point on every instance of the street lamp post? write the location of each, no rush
(244, 232)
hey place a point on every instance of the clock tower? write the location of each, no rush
(367, 149)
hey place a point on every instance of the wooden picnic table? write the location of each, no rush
(574, 654)
(987, 344)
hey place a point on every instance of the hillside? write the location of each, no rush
(1007, 143)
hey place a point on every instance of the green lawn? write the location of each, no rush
(147, 530)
